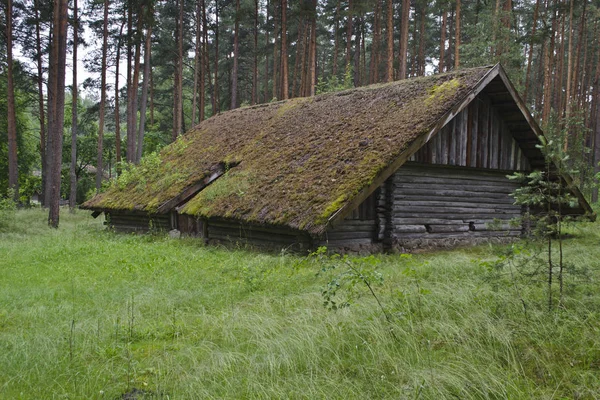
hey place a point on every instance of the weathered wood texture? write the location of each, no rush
(132, 221)
(433, 205)
(477, 137)
(262, 236)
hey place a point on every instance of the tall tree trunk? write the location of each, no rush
(422, 35)
(215, 105)
(40, 83)
(457, 37)
(255, 66)
(236, 35)
(267, 43)
(443, 42)
(197, 57)
(276, 65)
(530, 56)
(575, 83)
(13, 166)
(389, 74)
(313, 49)
(178, 75)
(129, 112)
(299, 50)
(145, 84)
(348, 33)
(204, 67)
(569, 61)
(284, 53)
(357, 54)
(549, 61)
(403, 52)
(336, 40)
(375, 46)
(57, 86)
(117, 108)
(99, 165)
(136, 83)
(73, 169)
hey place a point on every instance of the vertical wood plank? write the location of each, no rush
(472, 153)
(452, 142)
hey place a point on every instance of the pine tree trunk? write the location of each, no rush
(255, 67)
(204, 65)
(374, 67)
(55, 135)
(530, 56)
(313, 49)
(129, 112)
(457, 37)
(299, 56)
(284, 53)
(348, 33)
(443, 42)
(236, 50)
(215, 105)
(575, 83)
(13, 166)
(136, 84)
(145, 84)
(389, 74)
(73, 168)
(197, 56)
(117, 108)
(549, 60)
(422, 34)
(569, 62)
(336, 40)
(596, 139)
(403, 52)
(267, 43)
(40, 83)
(100, 148)
(276, 65)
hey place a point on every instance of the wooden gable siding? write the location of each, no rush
(439, 206)
(477, 137)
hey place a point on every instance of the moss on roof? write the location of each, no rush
(299, 160)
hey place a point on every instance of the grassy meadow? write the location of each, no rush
(89, 314)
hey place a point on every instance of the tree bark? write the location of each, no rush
(276, 65)
(57, 86)
(145, 84)
(422, 34)
(267, 43)
(299, 55)
(13, 166)
(443, 42)
(403, 52)
(136, 83)
(234, 78)
(348, 33)
(530, 56)
(73, 168)
(117, 108)
(284, 53)
(375, 46)
(255, 66)
(215, 105)
(197, 57)
(100, 148)
(178, 74)
(336, 40)
(313, 49)
(204, 67)
(457, 37)
(389, 74)
(569, 61)
(549, 59)
(40, 83)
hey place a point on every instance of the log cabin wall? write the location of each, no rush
(477, 137)
(358, 232)
(234, 232)
(435, 206)
(139, 222)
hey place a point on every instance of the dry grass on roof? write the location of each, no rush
(299, 160)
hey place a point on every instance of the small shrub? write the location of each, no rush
(7, 212)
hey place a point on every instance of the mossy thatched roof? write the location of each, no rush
(297, 162)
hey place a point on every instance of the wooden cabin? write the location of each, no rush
(412, 164)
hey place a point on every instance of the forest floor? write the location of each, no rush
(86, 313)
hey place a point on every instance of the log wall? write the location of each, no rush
(431, 206)
(131, 221)
(477, 137)
(272, 237)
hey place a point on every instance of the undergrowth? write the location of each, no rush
(87, 313)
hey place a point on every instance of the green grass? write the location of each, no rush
(86, 313)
